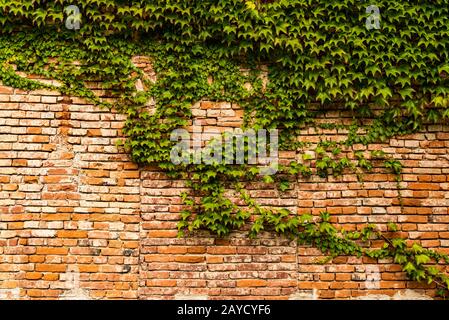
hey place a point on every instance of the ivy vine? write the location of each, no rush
(315, 54)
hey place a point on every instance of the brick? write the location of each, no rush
(19, 163)
(172, 250)
(208, 105)
(88, 268)
(35, 293)
(423, 186)
(33, 275)
(214, 259)
(51, 251)
(161, 283)
(69, 199)
(48, 267)
(189, 259)
(50, 277)
(71, 234)
(46, 99)
(6, 90)
(43, 233)
(162, 233)
(221, 250)
(251, 283)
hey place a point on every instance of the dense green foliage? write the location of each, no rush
(317, 53)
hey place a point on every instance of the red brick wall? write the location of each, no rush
(79, 220)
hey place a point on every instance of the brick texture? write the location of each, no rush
(78, 219)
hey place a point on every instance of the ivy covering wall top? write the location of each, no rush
(318, 52)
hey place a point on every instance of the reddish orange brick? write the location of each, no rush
(170, 250)
(161, 283)
(88, 268)
(33, 275)
(19, 163)
(214, 259)
(51, 251)
(71, 234)
(51, 277)
(221, 250)
(423, 186)
(50, 267)
(162, 233)
(35, 293)
(251, 283)
(189, 259)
